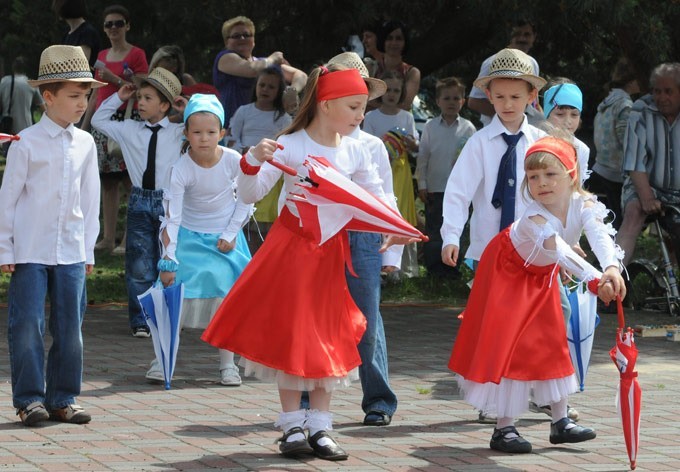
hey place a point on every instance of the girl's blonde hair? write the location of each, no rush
(543, 160)
(307, 110)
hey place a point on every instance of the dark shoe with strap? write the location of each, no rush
(377, 418)
(508, 440)
(329, 452)
(560, 434)
(294, 448)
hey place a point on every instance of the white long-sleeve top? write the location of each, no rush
(205, 199)
(473, 180)
(350, 158)
(250, 125)
(378, 152)
(133, 138)
(49, 199)
(585, 214)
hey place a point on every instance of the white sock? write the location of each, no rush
(319, 421)
(289, 420)
(504, 423)
(226, 359)
(559, 411)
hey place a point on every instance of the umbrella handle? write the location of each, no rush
(283, 167)
(8, 137)
(619, 311)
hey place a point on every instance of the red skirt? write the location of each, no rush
(513, 325)
(291, 309)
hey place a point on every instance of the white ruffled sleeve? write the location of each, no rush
(601, 235)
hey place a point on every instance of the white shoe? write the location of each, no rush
(230, 376)
(155, 373)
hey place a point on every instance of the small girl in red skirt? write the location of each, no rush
(512, 338)
(290, 314)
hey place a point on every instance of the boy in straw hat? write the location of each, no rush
(51, 172)
(490, 166)
(150, 148)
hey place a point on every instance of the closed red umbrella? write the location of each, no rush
(624, 354)
(333, 202)
(8, 137)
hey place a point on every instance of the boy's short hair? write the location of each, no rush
(237, 20)
(54, 87)
(120, 9)
(623, 73)
(161, 96)
(70, 9)
(449, 82)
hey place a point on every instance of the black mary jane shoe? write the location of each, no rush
(508, 440)
(560, 434)
(294, 448)
(377, 418)
(330, 452)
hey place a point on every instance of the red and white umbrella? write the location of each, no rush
(8, 137)
(333, 202)
(629, 396)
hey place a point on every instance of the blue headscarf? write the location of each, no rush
(562, 95)
(204, 102)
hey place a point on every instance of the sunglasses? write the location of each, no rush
(241, 36)
(117, 24)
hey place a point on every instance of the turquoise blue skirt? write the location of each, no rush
(205, 271)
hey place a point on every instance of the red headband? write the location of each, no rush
(565, 152)
(341, 83)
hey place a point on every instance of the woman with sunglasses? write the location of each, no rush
(111, 66)
(235, 68)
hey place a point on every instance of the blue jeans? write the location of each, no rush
(65, 286)
(365, 290)
(142, 248)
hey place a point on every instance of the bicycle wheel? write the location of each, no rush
(646, 287)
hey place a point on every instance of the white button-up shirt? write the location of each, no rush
(49, 198)
(473, 180)
(133, 137)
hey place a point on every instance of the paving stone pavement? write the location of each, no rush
(201, 425)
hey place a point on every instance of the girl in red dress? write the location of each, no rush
(513, 338)
(290, 314)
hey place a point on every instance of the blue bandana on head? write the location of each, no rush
(204, 102)
(562, 95)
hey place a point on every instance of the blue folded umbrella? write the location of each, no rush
(162, 308)
(581, 329)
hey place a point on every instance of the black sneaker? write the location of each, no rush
(515, 444)
(141, 332)
(560, 434)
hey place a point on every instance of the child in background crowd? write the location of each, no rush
(562, 106)
(264, 118)
(390, 117)
(442, 141)
(203, 243)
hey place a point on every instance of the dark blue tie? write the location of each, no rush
(504, 193)
(149, 176)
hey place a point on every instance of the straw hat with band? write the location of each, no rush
(162, 80)
(510, 64)
(376, 87)
(64, 64)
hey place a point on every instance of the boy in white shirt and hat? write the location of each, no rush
(49, 222)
